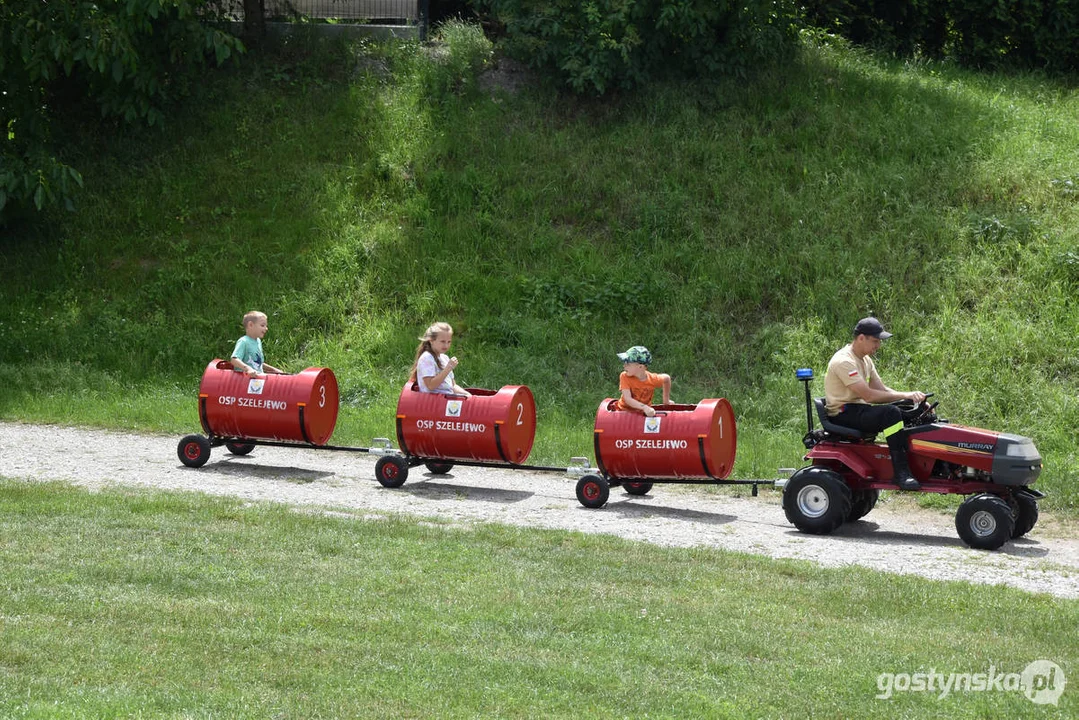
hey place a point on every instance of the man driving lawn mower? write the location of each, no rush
(857, 398)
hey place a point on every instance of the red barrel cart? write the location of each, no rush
(680, 444)
(240, 412)
(487, 428)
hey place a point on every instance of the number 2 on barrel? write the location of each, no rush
(520, 413)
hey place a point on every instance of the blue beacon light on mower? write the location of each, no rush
(806, 375)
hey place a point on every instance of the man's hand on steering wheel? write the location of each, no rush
(915, 396)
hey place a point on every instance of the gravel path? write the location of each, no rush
(896, 537)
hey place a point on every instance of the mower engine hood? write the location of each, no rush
(1015, 460)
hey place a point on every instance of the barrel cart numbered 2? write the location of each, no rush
(486, 428)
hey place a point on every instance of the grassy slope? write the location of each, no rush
(736, 229)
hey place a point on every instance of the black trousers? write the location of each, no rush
(868, 418)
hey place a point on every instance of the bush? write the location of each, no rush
(125, 58)
(599, 45)
(989, 34)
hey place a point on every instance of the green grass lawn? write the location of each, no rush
(737, 228)
(127, 603)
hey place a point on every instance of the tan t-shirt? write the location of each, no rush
(845, 369)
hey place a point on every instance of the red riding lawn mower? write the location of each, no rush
(849, 470)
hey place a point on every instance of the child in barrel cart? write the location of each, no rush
(636, 385)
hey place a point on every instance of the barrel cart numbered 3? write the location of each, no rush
(241, 412)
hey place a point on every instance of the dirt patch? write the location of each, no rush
(897, 537)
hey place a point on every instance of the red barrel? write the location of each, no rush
(489, 426)
(301, 407)
(681, 441)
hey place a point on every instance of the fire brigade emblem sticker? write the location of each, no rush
(254, 386)
(651, 424)
(453, 408)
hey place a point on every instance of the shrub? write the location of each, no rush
(125, 58)
(598, 45)
(978, 33)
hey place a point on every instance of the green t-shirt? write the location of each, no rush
(249, 350)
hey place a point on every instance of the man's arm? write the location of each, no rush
(878, 393)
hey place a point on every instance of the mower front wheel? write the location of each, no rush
(391, 471)
(816, 500)
(1026, 514)
(984, 522)
(438, 468)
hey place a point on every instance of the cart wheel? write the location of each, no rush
(391, 471)
(239, 448)
(637, 488)
(193, 450)
(593, 491)
(438, 468)
(1026, 514)
(984, 521)
(816, 500)
(862, 501)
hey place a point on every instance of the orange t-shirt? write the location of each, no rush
(640, 390)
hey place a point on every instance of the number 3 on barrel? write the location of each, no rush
(322, 396)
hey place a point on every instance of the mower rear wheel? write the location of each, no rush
(193, 450)
(862, 501)
(438, 468)
(637, 488)
(239, 448)
(391, 471)
(984, 521)
(816, 500)
(1026, 514)
(593, 491)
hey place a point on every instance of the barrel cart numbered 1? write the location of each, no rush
(679, 444)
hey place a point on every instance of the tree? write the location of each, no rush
(254, 18)
(123, 56)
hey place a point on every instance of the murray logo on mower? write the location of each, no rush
(849, 469)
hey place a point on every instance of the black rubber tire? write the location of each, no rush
(193, 450)
(1026, 514)
(391, 471)
(816, 500)
(637, 488)
(984, 522)
(593, 491)
(239, 448)
(861, 502)
(438, 468)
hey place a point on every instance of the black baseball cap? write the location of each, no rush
(872, 327)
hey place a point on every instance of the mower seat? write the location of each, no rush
(827, 424)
